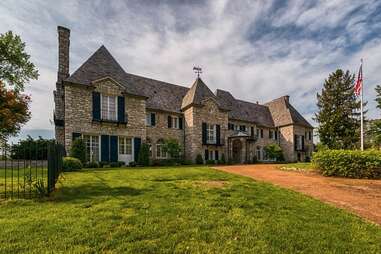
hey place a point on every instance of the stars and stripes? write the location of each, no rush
(359, 82)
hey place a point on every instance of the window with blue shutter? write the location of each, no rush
(206, 155)
(169, 122)
(105, 148)
(216, 155)
(121, 109)
(96, 106)
(113, 148)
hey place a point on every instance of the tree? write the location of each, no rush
(378, 96)
(274, 151)
(15, 68)
(338, 112)
(14, 111)
(172, 147)
(374, 133)
(15, 71)
(143, 156)
(78, 150)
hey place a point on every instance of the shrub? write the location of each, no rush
(121, 163)
(143, 156)
(222, 160)
(172, 147)
(71, 164)
(186, 162)
(199, 159)
(165, 162)
(114, 164)
(92, 164)
(274, 151)
(103, 164)
(132, 164)
(78, 150)
(254, 160)
(349, 163)
(210, 162)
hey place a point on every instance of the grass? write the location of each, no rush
(299, 166)
(178, 210)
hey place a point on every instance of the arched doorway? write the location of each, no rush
(237, 151)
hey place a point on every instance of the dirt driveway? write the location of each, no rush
(362, 197)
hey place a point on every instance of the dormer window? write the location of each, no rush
(109, 107)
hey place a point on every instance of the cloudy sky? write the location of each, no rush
(259, 50)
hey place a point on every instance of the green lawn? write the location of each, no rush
(179, 210)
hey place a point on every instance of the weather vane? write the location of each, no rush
(198, 70)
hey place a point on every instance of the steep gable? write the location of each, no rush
(197, 94)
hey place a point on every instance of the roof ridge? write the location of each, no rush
(164, 82)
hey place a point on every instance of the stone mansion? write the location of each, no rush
(115, 111)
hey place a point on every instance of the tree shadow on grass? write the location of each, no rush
(93, 191)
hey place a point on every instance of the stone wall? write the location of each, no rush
(78, 113)
(287, 142)
(161, 131)
(194, 117)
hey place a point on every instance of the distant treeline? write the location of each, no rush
(30, 149)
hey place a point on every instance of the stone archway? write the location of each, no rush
(237, 151)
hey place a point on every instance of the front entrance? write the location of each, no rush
(237, 151)
(126, 148)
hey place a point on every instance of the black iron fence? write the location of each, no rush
(29, 173)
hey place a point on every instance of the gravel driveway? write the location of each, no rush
(362, 197)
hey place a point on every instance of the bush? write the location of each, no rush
(172, 147)
(274, 151)
(254, 160)
(103, 164)
(199, 159)
(92, 164)
(186, 162)
(348, 163)
(143, 156)
(114, 164)
(165, 162)
(132, 164)
(71, 164)
(210, 162)
(222, 160)
(78, 150)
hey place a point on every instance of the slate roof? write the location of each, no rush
(283, 113)
(173, 98)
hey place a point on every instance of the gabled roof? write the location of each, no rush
(197, 94)
(284, 113)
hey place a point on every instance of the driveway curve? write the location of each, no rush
(363, 197)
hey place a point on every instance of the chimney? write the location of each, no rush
(63, 53)
(287, 98)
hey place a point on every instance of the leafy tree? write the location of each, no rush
(15, 68)
(338, 112)
(374, 133)
(14, 111)
(172, 147)
(274, 151)
(29, 148)
(78, 150)
(15, 71)
(378, 96)
(143, 156)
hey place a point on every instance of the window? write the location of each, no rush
(125, 145)
(211, 155)
(242, 127)
(299, 142)
(310, 135)
(259, 153)
(150, 119)
(92, 147)
(175, 122)
(273, 134)
(109, 107)
(210, 133)
(230, 126)
(160, 154)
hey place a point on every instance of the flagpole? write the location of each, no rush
(362, 111)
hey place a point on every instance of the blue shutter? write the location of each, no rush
(169, 122)
(180, 123)
(114, 148)
(218, 134)
(96, 106)
(216, 155)
(105, 148)
(204, 133)
(153, 119)
(206, 155)
(121, 109)
(137, 143)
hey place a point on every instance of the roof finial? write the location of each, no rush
(198, 70)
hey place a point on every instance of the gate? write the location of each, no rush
(31, 172)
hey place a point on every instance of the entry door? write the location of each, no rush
(125, 149)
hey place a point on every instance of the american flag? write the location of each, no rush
(358, 84)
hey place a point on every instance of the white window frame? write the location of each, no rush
(148, 119)
(106, 113)
(298, 141)
(211, 134)
(127, 145)
(160, 154)
(175, 122)
(92, 145)
(211, 155)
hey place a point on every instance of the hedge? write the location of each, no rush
(349, 163)
(71, 164)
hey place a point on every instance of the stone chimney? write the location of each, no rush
(287, 98)
(62, 74)
(63, 53)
